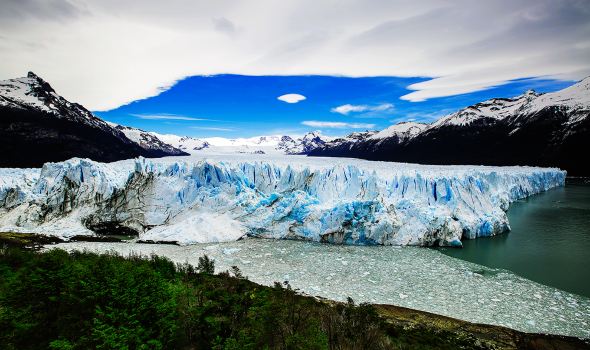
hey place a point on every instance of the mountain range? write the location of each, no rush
(273, 144)
(551, 129)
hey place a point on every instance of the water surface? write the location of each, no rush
(549, 242)
(413, 277)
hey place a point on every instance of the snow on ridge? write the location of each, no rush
(219, 198)
(573, 98)
(185, 143)
(576, 96)
(33, 93)
(14, 92)
(495, 108)
(133, 134)
(402, 130)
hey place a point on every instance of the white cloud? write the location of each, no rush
(345, 109)
(337, 125)
(348, 108)
(291, 98)
(105, 53)
(167, 117)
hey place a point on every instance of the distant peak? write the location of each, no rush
(531, 92)
(34, 76)
(42, 83)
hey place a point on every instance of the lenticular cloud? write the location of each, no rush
(291, 98)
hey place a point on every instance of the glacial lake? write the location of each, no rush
(549, 242)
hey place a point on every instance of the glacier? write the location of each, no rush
(198, 199)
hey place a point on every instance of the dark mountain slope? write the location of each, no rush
(532, 129)
(38, 126)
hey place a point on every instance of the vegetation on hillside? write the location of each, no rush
(81, 300)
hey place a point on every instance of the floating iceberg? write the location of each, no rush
(198, 200)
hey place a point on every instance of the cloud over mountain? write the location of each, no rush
(123, 52)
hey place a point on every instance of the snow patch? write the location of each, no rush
(402, 130)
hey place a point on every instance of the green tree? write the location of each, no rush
(206, 265)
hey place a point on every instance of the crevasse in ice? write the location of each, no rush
(320, 199)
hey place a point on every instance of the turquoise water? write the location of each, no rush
(549, 242)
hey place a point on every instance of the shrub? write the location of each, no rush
(206, 265)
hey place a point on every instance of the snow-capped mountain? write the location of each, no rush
(149, 141)
(35, 94)
(303, 145)
(551, 129)
(252, 145)
(403, 130)
(273, 144)
(186, 143)
(37, 126)
(347, 141)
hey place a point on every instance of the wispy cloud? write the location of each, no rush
(424, 117)
(291, 98)
(348, 108)
(337, 125)
(167, 117)
(210, 128)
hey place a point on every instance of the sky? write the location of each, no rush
(113, 56)
(245, 106)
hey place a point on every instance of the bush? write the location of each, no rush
(206, 265)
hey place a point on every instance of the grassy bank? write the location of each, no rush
(60, 300)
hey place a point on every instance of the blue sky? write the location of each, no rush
(244, 106)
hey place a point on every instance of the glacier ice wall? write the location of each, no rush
(208, 200)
